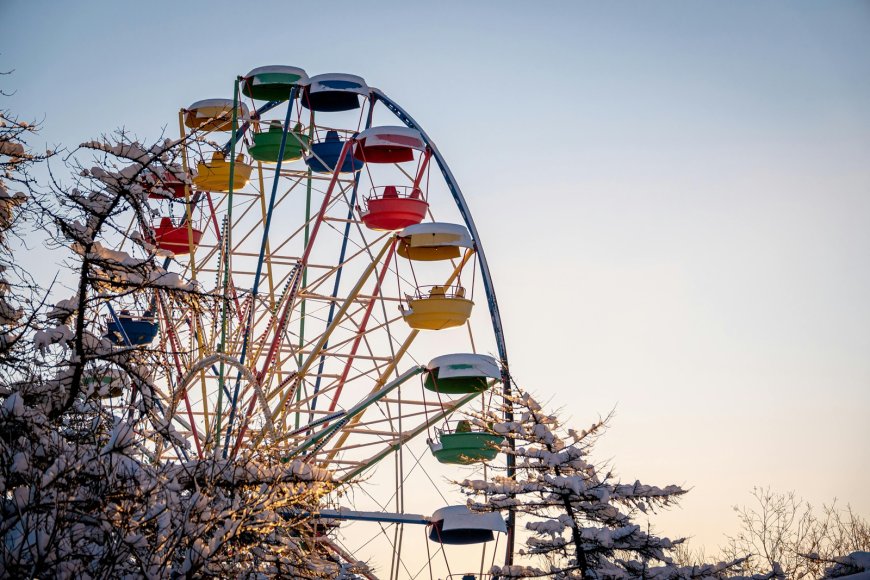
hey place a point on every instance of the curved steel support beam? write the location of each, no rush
(466, 216)
(495, 315)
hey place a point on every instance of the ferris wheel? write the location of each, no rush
(355, 310)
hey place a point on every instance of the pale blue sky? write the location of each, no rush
(674, 196)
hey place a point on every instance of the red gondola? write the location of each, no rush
(392, 210)
(168, 182)
(388, 144)
(176, 239)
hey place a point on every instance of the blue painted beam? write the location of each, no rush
(263, 243)
(341, 257)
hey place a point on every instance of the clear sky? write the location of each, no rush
(674, 197)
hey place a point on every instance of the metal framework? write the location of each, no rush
(300, 321)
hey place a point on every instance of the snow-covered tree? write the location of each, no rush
(581, 520)
(16, 286)
(87, 487)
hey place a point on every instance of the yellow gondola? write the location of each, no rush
(439, 310)
(433, 241)
(215, 174)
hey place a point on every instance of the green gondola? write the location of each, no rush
(466, 448)
(454, 385)
(455, 374)
(267, 144)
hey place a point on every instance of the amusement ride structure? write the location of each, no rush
(357, 310)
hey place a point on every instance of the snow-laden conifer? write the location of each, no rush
(579, 520)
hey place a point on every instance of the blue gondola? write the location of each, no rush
(332, 92)
(324, 156)
(140, 331)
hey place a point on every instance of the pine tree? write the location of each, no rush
(580, 519)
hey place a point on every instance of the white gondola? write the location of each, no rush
(459, 525)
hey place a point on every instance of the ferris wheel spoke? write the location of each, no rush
(302, 262)
(360, 332)
(392, 366)
(322, 340)
(402, 438)
(176, 350)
